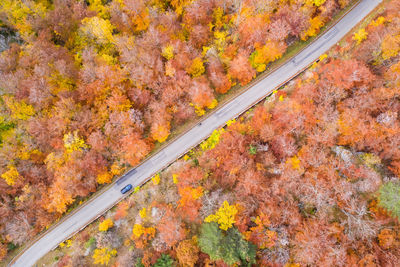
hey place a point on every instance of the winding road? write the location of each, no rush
(109, 196)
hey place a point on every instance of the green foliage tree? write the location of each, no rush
(253, 150)
(164, 261)
(210, 239)
(228, 246)
(389, 198)
(139, 263)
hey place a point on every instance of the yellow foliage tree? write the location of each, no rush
(265, 54)
(19, 109)
(315, 24)
(197, 192)
(72, 142)
(212, 141)
(220, 40)
(196, 68)
(156, 179)
(168, 52)
(160, 131)
(294, 162)
(175, 178)
(116, 169)
(315, 2)
(19, 12)
(105, 225)
(103, 255)
(143, 213)
(69, 243)
(370, 159)
(390, 46)
(179, 5)
(225, 216)
(98, 29)
(213, 104)
(146, 233)
(360, 35)
(137, 231)
(380, 20)
(104, 178)
(219, 18)
(11, 175)
(99, 6)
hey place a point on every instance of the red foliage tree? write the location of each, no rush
(241, 69)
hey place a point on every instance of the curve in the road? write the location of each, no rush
(109, 196)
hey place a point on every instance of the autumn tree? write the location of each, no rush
(105, 225)
(217, 76)
(103, 255)
(240, 68)
(187, 252)
(170, 229)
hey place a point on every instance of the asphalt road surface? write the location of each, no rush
(97, 205)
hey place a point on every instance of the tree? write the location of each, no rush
(315, 2)
(202, 95)
(241, 69)
(390, 46)
(170, 228)
(187, 252)
(164, 261)
(196, 68)
(352, 73)
(279, 29)
(210, 240)
(315, 24)
(389, 198)
(260, 234)
(217, 75)
(3, 251)
(11, 175)
(133, 148)
(122, 210)
(98, 29)
(253, 30)
(105, 225)
(360, 36)
(130, 15)
(142, 235)
(103, 255)
(387, 238)
(229, 247)
(190, 202)
(266, 54)
(21, 14)
(160, 131)
(225, 216)
(72, 142)
(58, 198)
(168, 52)
(189, 176)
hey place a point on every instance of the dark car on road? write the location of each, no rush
(126, 188)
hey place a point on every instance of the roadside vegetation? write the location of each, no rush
(308, 177)
(91, 87)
